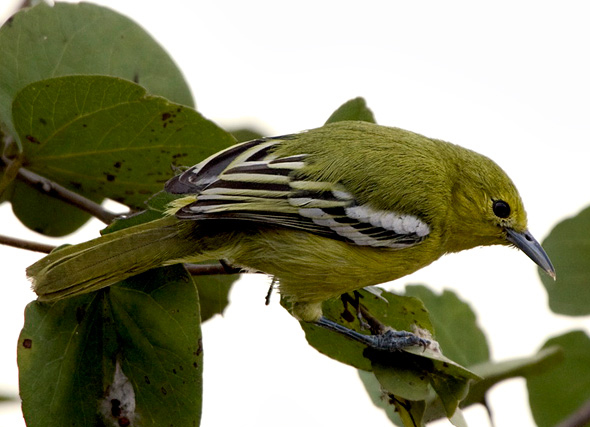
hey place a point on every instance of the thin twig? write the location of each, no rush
(57, 191)
(580, 418)
(26, 244)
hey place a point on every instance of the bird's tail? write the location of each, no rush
(106, 260)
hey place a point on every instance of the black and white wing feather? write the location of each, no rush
(247, 182)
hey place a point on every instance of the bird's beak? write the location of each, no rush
(529, 245)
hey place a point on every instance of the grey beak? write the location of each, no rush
(529, 245)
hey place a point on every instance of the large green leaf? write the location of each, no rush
(105, 137)
(398, 312)
(413, 377)
(494, 372)
(132, 351)
(490, 372)
(451, 318)
(555, 394)
(568, 246)
(65, 39)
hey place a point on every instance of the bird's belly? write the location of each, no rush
(312, 268)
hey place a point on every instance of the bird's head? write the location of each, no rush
(487, 210)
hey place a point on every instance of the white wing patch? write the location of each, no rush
(247, 182)
(401, 224)
(364, 225)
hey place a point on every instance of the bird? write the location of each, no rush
(324, 212)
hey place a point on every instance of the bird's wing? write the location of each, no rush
(247, 182)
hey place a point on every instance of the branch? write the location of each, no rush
(579, 418)
(211, 269)
(26, 244)
(14, 169)
(57, 191)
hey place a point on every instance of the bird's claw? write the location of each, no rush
(392, 340)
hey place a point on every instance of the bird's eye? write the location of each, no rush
(501, 209)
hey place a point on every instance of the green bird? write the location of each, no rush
(325, 212)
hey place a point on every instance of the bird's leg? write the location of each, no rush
(389, 340)
(271, 288)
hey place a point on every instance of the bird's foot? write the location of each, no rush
(390, 340)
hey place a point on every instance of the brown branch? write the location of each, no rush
(580, 418)
(211, 269)
(26, 244)
(57, 191)
(13, 169)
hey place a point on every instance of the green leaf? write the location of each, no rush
(410, 412)
(458, 420)
(494, 372)
(417, 378)
(214, 293)
(568, 246)
(398, 377)
(135, 343)
(122, 222)
(378, 397)
(452, 317)
(65, 39)
(157, 319)
(449, 380)
(159, 202)
(399, 312)
(245, 134)
(56, 338)
(105, 137)
(355, 109)
(419, 412)
(45, 214)
(400, 411)
(412, 377)
(555, 394)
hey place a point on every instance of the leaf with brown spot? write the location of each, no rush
(147, 324)
(120, 119)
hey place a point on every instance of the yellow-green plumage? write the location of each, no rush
(293, 207)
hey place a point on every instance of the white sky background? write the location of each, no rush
(509, 80)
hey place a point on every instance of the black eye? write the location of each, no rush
(501, 209)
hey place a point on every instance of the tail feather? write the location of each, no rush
(109, 259)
